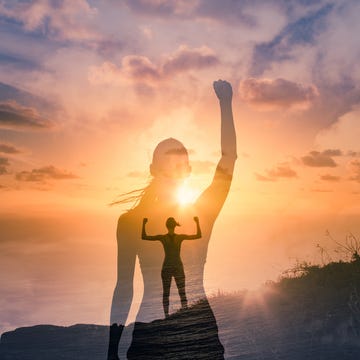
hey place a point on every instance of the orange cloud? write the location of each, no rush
(8, 149)
(321, 159)
(280, 171)
(140, 69)
(202, 166)
(355, 168)
(276, 94)
(4, 162)
(45, 173)
(328, 177)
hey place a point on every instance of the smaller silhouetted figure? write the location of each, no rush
(172, 265)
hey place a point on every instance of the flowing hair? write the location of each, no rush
(148, 193)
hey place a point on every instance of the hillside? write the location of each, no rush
(312, 313)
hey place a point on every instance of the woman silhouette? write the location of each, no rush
(172, 265)
(169, 168)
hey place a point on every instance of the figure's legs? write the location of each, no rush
(114, 338)
(179, 276)
(166, 275)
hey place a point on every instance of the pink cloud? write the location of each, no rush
(140, 69)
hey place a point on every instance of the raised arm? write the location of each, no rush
(213, 198)
(144, 236)
(198, 231)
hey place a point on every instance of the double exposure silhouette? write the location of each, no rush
(169, 168)
(172, 265)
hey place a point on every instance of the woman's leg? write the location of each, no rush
(166, 275)
(179, 276)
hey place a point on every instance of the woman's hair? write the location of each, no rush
(168, 146)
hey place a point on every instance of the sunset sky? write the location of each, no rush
(87, 90)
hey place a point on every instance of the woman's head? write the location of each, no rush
(170, 161)
(171, 223)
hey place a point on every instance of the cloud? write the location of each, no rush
(17, 117)
(57, 19)
(140, 69)
(328, 177)
(355, 168)
(4, 163)
(344, 133)
(162, 7)
(8, 149)
(277, 94)
(332, 152)
(185, 59)
(202, 166)
(311, 48)
(321, 159)
(19, 109)
(243, 13)
(45, 173)
(138, 174)
(302, 30)
(280, 171)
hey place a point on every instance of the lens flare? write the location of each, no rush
(186, 195)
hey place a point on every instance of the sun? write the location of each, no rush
(186, 195)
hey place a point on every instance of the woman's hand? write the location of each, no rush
(223, 90)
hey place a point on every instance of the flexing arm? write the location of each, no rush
(144, 236)
(214, 196)
(198, 231)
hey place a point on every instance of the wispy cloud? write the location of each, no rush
(60, 20)
(45, 173)
(282, 170)
(277, 93)
(300, 31)
(17, 117)
(242, 13)
(140, 69)
(355, 169)
(321, 159)
(4, 163)
(8, 149)
(162, 7)
(202, 166)
(138, 174)
(331, 178)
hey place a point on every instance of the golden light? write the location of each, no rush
(186, 195)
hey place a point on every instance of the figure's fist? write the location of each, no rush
(145, 220)
(196, 219)
(223, 90)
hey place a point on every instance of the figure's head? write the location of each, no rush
(171, 223)
(170, 161)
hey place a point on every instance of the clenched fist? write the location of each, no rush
(223, 90)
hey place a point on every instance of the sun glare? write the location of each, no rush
(186, 195)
